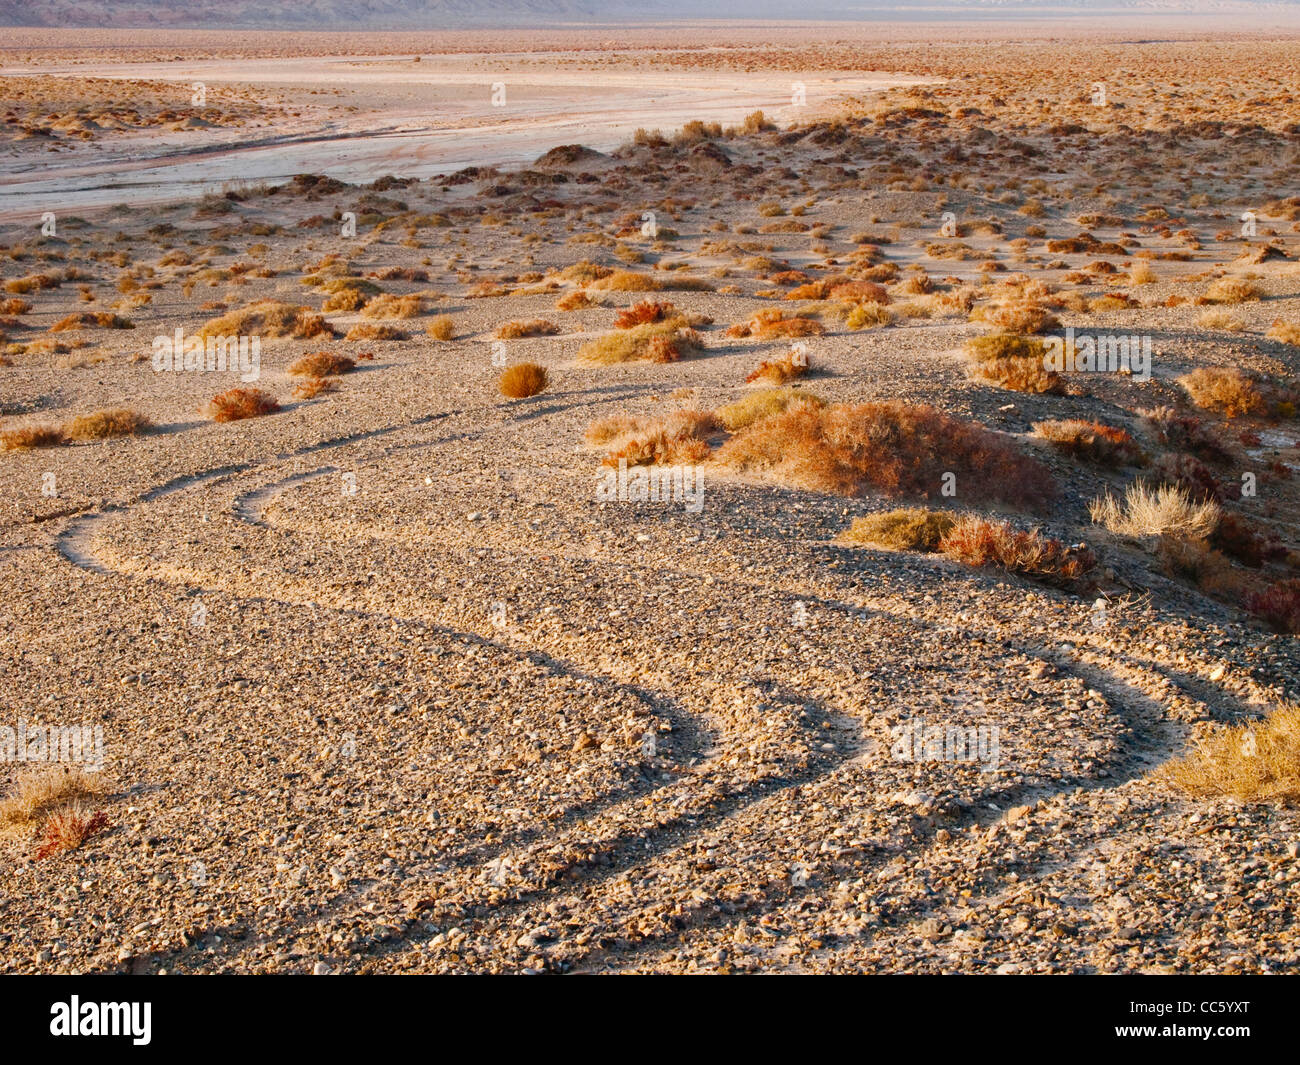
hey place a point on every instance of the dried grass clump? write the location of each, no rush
(533, 327)
(31, 437)
(868, 316)
(105, 424)
(664, 341)
(1225, 390)
(1254, 762)
(1232, 290)
(440, 328)
(892, 447)
(66, 830)
(908, 529)
(386, 305)
(792, 364)
(1094, 442)
(759, 405)
(1141, 273)
(678, 438)
(40, 792)
(269, 318)
(978, 542)
(1012, 362)
(1285, 332)
(322, 364)
(522, 380)
(1224, 321)
(770, 323)
(236, 404)
(1154, 512)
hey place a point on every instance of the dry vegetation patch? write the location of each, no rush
(235, 404)
(891, 447)
(1252, 762)
(522, 380)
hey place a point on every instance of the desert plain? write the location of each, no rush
(930, 656)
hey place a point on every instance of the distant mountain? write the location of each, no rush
(439, 14)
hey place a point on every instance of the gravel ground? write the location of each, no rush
(470, 719)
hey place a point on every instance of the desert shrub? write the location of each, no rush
(236, 404)
(386, 305)
(38, 793)
(14, 306)
(868, 316)
(347, 300)
(31, 437)
(1015, 316)
(1225, 390)
(792, 364)
(893, 447)
(1224, 321)
(574, 301)
(1094, 442)
(757, 405)
(1232, 290)
(1190, 473)
(631, 281)
(1285, 332)
(645, 311)
(1195, 560)
(68, 829)
(533, 327)
(770, 323)
(1140, 273)
(370, 331)
(663, 341)
(979, 542)
(1184, 433)
(441, 327)
(104, 424)
(1012, 362)
(269, 318)
(858, 292)
(1254, 762)
(522, 380)
(1240, 539)
(584, 271)
(322, 364)
(679, 437)
(907, 529)
(1153, 512)
(91, 320)
(1279, 605)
